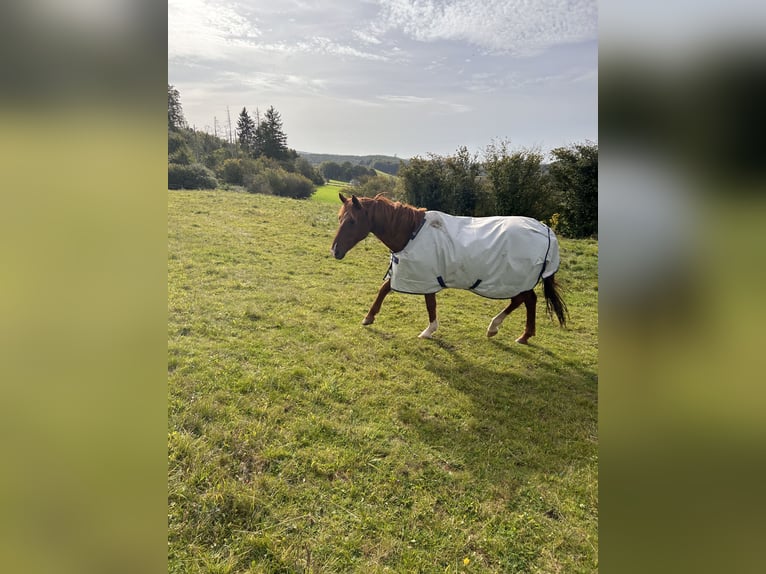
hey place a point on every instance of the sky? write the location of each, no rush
(392, 77)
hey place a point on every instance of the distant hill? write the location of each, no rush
(365, 160)
(386, 163)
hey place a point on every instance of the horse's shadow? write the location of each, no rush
(538, 412)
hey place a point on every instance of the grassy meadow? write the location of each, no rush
(328, 193)
(300, 441)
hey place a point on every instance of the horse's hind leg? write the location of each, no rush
(530, 302)
(529, 299)
(384, 290)
(497, 320)
(433, 323)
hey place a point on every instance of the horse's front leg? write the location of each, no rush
(433, 323)
(384, 290)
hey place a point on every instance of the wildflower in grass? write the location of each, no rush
(466, 561)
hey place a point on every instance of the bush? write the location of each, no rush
(277, 181)
(182, 156)
(178, 149)
(372, 186)
(257, 183)
(194, 176)
(290, 184)
(518, 182)
(231, 171)
(574, 175)
(304, 168)
(423, 182)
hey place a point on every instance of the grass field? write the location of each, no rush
(300, 441)
(328, 193)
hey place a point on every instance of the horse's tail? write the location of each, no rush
(553, 301)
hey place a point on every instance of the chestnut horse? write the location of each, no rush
(399, 227)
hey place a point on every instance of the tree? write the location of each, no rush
(271, 140)
(448, 184)
(246, 133)
(517, 181)
(461, 173)
(574, 175)
(179, 151)
(387, 166)
(346, 171)
(331, 170)
(423, 182)
(303, 167)
(176, 120)
(370, 186)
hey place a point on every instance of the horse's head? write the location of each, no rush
(353, 226)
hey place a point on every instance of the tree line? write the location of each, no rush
(257, 158)
(345, 171)
(502, 181)
(385, 163)
(563, 193)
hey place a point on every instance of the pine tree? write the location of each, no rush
(271, 141)
(176, 120)
(246, 133)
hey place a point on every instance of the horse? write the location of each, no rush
(496, 257)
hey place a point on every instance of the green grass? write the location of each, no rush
(328, 193)
(300, 441)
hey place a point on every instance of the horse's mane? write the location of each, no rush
(405, 214)
(395, 219)
(395, 204)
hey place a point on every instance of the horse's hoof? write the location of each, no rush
(523, 340)
(492, 333)
(429, 331)
(367, 321)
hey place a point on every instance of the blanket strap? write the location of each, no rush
(440, 279)
(394, 259)
(545, 259)
(415, 233)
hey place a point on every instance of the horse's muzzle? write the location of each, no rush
(335, 253)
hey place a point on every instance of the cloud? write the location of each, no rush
(514, 81)
(374, 66)
(317, 46)
(366, 37)
(323, 45)
(273, 82)
(220, 30)
(436, 104)
(406, 99)
(207, 29)
(517, 27)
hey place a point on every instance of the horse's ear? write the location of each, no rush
(342, 197)
(356, 202)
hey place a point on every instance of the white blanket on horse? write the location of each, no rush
(496, 257)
